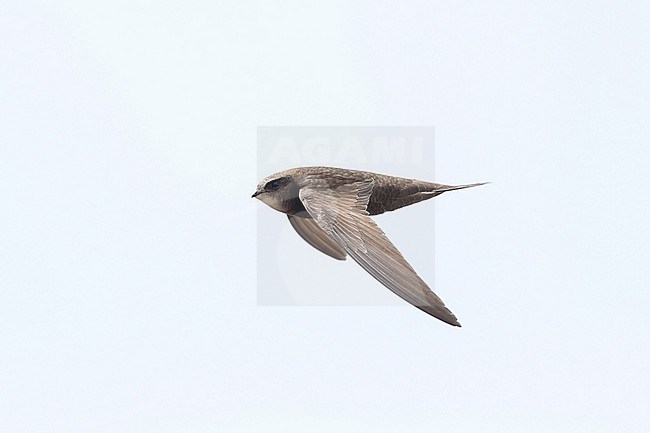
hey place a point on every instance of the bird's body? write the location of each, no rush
(330, 208)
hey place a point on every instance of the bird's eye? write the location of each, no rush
(273, 185)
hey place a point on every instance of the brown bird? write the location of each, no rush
(330, 208)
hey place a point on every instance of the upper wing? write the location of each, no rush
(309, 230)
(342, 214)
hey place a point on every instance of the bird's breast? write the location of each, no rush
(291, 206)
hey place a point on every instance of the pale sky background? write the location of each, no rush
(128, 236)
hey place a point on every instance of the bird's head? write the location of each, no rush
(277, 191)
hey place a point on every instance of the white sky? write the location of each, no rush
(128, 259)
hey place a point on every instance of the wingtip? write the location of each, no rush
(444, 315)
(445, 188)
(471, 185)
(453, 322)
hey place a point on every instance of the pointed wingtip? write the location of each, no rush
(445, 188)
(441, 313)
(454, 322)
(471, 185)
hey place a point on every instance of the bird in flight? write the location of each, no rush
(330, 208)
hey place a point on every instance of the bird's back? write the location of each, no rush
(388, 192)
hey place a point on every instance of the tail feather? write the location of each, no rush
(389, 197)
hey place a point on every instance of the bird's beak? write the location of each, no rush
(256, 193)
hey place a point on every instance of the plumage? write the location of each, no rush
(330, 208)
(315, 236)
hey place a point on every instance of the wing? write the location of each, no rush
(310, 231)
(341, 213)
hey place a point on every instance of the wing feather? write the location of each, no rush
(342, 214)
(315, 236)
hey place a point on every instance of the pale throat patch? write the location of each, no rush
(271, 201)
